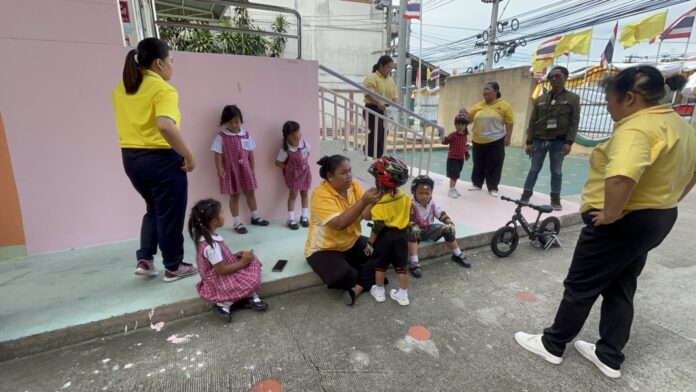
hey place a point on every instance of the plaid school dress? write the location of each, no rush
(298, 176)
(230, 287)
(235, 161)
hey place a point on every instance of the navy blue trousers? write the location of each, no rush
(157, 176)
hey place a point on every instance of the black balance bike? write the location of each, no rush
(543, 234)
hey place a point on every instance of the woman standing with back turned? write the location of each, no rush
(155, 156)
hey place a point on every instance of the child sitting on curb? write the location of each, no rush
(423, 226)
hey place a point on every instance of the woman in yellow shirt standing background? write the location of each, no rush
(155, 155)
(629, 205)
(491, 132)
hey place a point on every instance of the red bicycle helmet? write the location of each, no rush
(390, 173)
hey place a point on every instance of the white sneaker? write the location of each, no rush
(493, 193)
(474, 188)
(146, 268)
(453, 193)
(456, 191)
(400, 298)
(587, 350)
(377, 293)
(533, 344)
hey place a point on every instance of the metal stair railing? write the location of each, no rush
(348, 123)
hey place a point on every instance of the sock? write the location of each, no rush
(291, 215)
(256, 298)
(456, 251)
(305, 212)
(225, 305)
(255, 214)
(236, 220)
(413, 260)
(379, 289)
(403, 292)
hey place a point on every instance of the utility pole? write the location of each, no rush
(491, 34)
(401, 51)
(387, 51)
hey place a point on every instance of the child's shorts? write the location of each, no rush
(454, 168)
(391, 247)
(432, 233)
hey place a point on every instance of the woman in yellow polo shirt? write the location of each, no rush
(629, 205)
(491, 131)
(335, 248)
(155, 156)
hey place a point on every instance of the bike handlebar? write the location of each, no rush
(532, 206)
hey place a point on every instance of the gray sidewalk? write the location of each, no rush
(309, 341)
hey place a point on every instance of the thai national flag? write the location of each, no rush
(435, 75)
(680, 28)
(413, 10)
(547, 49)
(608, 54)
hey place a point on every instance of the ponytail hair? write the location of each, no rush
(375, 68)
(329, 164)
(149, 50)
(289, 128)
(201, 219)
(496, 87)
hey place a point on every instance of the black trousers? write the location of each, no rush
(488, 164)
(157, 176)
(607, 262)
(343, 270)
(378, 127)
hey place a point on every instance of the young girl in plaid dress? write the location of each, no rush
(234, 161)
(292, 158)
(226, 277)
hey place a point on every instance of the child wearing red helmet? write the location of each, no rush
(391, 215)
(458, 151)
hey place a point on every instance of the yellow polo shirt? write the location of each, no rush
(136, 114)
(655, 148)
(381, 85)
(394, 211)
(327, 204)
(489, 120)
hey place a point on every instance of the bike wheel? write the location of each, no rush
(505, 241)
(550, 225)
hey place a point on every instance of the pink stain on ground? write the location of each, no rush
(525, 296)
(419, 332)
(176, 339)
(266, 386)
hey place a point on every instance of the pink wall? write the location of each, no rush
(56, 103)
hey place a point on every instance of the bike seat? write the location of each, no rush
(545, 209)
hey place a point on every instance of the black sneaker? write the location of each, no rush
(415, 271)
(461, 260)
(259, 222)
(223, 312)
(526, 195)
(556, 202)
(253, 304)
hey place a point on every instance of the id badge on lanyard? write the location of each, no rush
(552, 123)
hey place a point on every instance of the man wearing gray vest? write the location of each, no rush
(552, 129)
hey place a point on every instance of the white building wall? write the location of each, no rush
(346, 36)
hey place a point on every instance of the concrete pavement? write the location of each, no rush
(456, 335)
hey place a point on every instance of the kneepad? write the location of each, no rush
(448, 233)
(413, 233)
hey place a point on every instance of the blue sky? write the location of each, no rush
(466, 17)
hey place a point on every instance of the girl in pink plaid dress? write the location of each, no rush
(292, 158)
(234, 161)
(226, 277)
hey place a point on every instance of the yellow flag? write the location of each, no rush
(645, 29)
(575, 43)
(428, 73)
